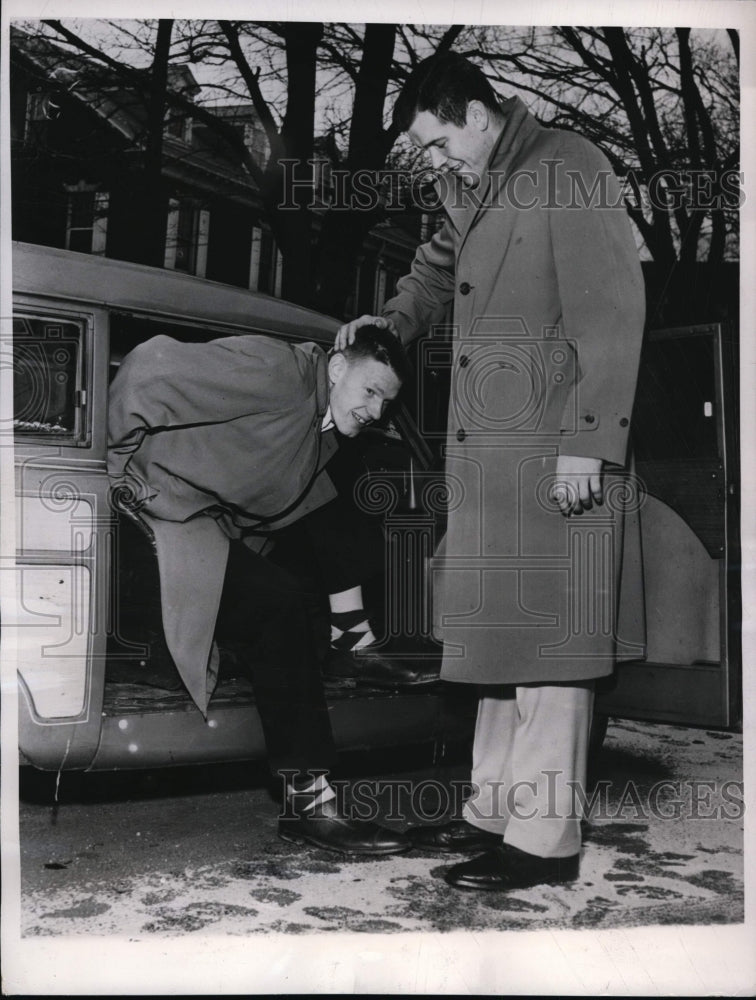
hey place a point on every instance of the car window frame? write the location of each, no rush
(34, 308)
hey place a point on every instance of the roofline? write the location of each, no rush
(77, 277)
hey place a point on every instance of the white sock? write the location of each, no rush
(366, 636)
(320, 792)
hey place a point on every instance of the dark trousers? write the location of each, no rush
(335, 547)
(277, 605)
(267, 608)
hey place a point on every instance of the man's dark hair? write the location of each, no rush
(381, 344)
(444, 85)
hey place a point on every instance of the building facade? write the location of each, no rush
(80, 153)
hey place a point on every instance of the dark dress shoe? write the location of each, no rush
(457, 835)
(506, 867)
(368, 666)
(325, 827)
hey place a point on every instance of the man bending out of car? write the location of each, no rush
(212, 447)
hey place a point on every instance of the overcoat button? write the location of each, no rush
(589, 418)
(461, 435)
(465, 288)
(624, 422)
(464, 361)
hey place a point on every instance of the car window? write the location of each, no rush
(47, 374)
(674, 409)
(127, 330)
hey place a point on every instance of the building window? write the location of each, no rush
(187, 236)
(254, 259)
(41, 106)
(179, 126)
(353, 302)
(87, 220)
(270, 268)
(25, 109)
(430, 223)
(380, 288)
(37, 103)
(278, 278)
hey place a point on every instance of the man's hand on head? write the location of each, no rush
(577, 484)
(346, 333)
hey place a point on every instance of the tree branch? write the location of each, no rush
(250, 78)
(735, 42)
(140, 82)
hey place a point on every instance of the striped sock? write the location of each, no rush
(351, 630)
(312, 795)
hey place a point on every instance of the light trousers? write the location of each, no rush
(529, 767)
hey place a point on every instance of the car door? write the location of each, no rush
(686, 453)
(62, 568)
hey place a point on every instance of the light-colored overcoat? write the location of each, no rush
(208, 442)
(542, 269)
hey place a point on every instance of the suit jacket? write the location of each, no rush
(548, 315)
(208, 442)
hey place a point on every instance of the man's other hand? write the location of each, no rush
(577, 485)
(346, 333)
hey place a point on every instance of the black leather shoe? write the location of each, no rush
(506, 867)
(455, 836)
(324, 827)
(368, 666)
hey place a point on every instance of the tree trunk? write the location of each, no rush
(341, 238)
(151, 210)
(350, 219)
(291, 186)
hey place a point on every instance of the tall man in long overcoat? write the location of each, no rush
(537, 259)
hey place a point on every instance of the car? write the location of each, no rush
(93, 691)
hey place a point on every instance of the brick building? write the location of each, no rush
(79, 142)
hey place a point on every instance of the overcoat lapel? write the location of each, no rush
(464, 207)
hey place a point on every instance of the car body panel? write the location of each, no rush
(68, 537)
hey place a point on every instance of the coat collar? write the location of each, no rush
(463, 205)
(314, 355)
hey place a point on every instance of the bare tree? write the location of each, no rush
(662, 106)
(150, 204)
(287, 204)
(660, 103)
(285, 70)
(358, 69)
(375, 70)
